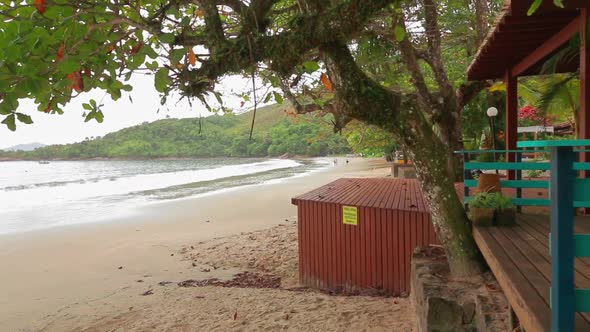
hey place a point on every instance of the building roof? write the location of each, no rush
(516, 35)
(382, 193)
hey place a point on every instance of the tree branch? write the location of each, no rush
(467, 91)
(213, 27)
(481, 24)
(285, 50)
(434, 54)
(409, 56)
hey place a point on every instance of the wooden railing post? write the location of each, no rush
(466, 176)
(562, 238)
(519, 177)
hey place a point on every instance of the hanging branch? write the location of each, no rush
(253, 87)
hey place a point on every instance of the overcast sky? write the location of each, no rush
(70, 127)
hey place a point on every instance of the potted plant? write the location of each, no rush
(488, 182)
(505, 211)
(481, 209)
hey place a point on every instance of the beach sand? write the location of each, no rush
(124, 275)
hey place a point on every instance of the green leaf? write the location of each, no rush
(278, 97)
(267, 98)
(8, 105)
(99, 116)
(167, 38)
(33, 86)
(96, 115)
(24, 118)
(162, 80)
(533, 8)
(218, 96)
(177, 54)
(152, 65)
(311, 66)
(67, 66)
(558, 3)
(87, 106)
(9, 122)
(89, 116)
(399, 33)
(275, 81)
(149, 51)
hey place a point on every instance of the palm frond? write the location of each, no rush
(566, 54)
(555, 90)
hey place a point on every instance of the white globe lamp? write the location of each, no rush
(492, 112)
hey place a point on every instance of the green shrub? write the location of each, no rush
(495, 201)
(486, 157)
(534, 173)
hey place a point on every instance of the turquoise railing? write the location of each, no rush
(517, 167)
(566, 192)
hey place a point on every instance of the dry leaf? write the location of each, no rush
(192, 58)
(49, 107)
(326, 82)
(77, 82)
(135, 49)
(60, 52)
(40, 5)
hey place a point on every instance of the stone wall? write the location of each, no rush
(444, 304)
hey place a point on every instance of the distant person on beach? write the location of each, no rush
(347, 161)
(335, 161)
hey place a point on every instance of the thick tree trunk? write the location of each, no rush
(448, 215)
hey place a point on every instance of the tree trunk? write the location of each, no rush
(450, 221)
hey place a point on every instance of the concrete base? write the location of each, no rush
(443, 304)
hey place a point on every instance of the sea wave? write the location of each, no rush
(60, 191)
(114, 190)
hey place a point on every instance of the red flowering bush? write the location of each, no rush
(530, 116)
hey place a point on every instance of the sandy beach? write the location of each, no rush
(127, 275)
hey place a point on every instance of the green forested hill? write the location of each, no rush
(275, 133)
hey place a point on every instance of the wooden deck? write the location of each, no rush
(519, 258)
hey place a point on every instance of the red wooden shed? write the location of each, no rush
(358, 234)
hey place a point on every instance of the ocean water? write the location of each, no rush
(35, 196)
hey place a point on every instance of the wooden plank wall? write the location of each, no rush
(373, 255)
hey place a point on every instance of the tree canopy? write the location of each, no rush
(395, 64)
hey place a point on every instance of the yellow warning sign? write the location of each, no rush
(349, 215)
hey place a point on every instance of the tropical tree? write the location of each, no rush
(55, 50)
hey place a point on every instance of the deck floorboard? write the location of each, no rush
(519, 258)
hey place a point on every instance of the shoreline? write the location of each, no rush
(50, 272)
(133, 213)
(293, 157)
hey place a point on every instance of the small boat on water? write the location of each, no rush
(43, 162)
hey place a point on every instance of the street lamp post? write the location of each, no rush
(492, 112)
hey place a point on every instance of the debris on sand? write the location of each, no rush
(240, 280)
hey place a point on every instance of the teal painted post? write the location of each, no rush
(562, 239)
(519, 177)
(466, 176)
